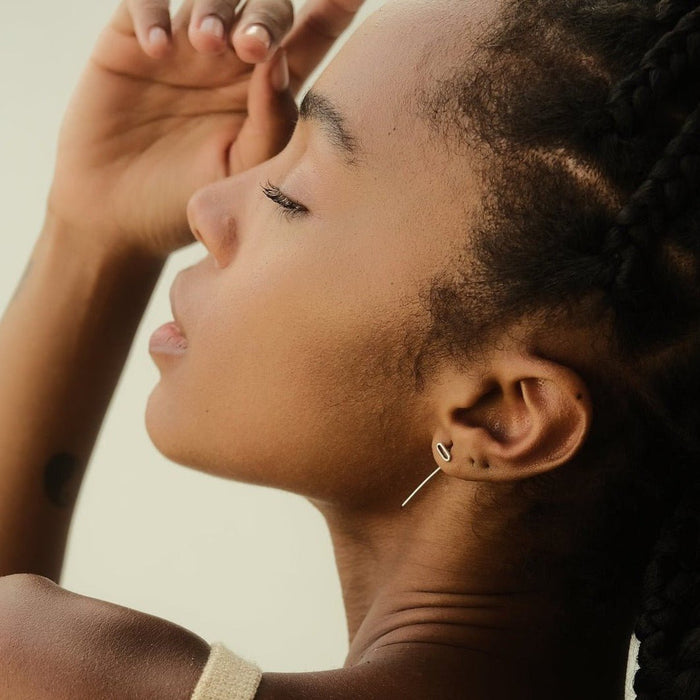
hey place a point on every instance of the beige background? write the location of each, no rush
(244, 565)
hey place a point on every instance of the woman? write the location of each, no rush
(479, 266)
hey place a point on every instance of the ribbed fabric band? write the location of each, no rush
(227, 677)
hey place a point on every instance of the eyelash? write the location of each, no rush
(291, 208)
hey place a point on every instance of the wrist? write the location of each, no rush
(95, 247)
(93, 272)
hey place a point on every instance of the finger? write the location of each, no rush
(272, 114)
(150, 22)
(262, 27)
(317, 28)
(210, 23)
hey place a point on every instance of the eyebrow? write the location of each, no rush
(317, 107)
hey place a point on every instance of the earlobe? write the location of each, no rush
(529, 416)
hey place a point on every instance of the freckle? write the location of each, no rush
(579, 396)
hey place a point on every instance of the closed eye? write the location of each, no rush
(291, 208)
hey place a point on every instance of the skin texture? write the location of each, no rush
(297, 371)
(310, 352)
(59, 645)
(116, 210)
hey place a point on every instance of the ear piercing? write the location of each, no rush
(444, 452)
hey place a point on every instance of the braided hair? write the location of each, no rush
(668, 626)
(588, 114)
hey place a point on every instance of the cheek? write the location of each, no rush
(286, 376)
(293, 376)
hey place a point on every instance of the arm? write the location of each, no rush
(117, 209)
(65, 336)
(56, 645)
(64, 339)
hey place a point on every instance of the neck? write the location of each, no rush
(418, 589)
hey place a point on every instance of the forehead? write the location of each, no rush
(370, 83)
(378, 79)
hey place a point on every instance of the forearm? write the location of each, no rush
(64, 339)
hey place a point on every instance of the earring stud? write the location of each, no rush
(446, 456)
(444, 452)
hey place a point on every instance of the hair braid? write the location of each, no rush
(573, 228)
(623, 131)
(633, 100)
(642, 291)
(633, 243)
(668, 627)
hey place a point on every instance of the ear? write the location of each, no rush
(525, 416)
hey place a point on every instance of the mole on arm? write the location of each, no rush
(59, 484)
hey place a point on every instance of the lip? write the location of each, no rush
(168, 340)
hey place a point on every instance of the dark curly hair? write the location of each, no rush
(586, 115)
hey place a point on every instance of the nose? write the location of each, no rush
(212, 213)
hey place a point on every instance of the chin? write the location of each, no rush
(162, 426)
(179, 438)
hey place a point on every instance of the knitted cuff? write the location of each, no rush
(227, 676)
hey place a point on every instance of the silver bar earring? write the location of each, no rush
(445, 454)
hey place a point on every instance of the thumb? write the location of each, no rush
(272, 114)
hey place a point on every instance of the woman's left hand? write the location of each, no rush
(59, 645)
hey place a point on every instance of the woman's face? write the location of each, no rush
(297, 372)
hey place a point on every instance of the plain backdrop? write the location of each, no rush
(244, 565)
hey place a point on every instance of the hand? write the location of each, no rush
(166, 106)
(59, 645)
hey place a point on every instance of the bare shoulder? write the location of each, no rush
(80, 648)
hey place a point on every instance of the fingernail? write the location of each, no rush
(157, 35)
(212, 25)
(280, 72)
(259, 32)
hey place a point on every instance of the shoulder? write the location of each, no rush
(83, 648)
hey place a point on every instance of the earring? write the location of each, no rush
(445, 454)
